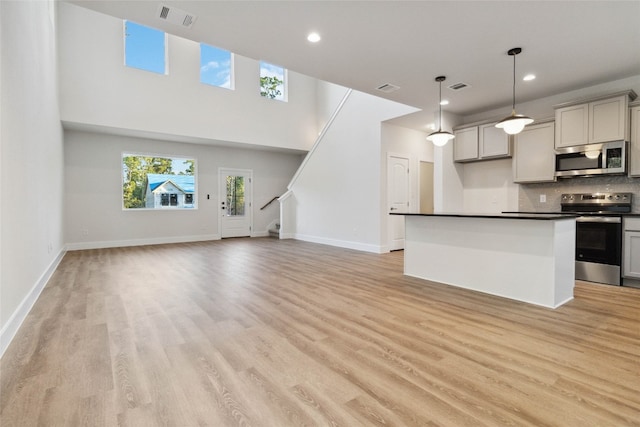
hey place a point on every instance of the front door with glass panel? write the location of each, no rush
(235, 202)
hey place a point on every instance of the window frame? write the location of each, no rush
(194, 206)
(165, 48)
(231, 67)
(285, 82)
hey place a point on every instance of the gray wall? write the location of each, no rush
(93, 190)
(31, 159)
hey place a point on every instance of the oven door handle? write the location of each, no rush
(608, 219)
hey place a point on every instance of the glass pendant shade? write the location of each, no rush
(514, 124)
(440, 137)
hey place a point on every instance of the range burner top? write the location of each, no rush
(596, 203)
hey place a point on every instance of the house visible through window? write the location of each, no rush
(150, 182)
(272, 81)
(216, 66)
(144, 48)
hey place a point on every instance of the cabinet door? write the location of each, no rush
(465, 144)
(607, 119)
(493, 142)
(634, 146)
(572, 125)
(533, 154)
(631, 267)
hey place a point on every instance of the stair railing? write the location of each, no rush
(269, 202)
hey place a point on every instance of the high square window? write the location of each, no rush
(144, 48)
(273, 81)
(216, 66)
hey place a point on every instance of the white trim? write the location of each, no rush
(377, 249)
(140, 242)
(223, 190)
(10, 328)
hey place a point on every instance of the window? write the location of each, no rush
(272, 81)
(235, 196)
(216, 66)
(144, 48)
(152, 182)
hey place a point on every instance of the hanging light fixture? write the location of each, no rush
(515, 122)
(440, 137)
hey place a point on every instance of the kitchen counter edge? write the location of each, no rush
(539, 217)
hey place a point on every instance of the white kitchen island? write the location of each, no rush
(529, 258)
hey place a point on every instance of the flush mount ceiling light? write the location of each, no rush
(515, 122)
(314, 37)
(439, 137)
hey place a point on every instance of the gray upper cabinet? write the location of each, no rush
(533, 154)
(634, 146)
(598, 120)
(482, 142)
(465, 144)
(493, 142)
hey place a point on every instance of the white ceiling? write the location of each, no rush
(567, 44)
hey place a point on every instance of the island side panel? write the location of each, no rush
(565, 256)
(526, 260)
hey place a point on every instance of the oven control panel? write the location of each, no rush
(599, 198)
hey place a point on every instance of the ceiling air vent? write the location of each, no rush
(387, 88)
(458, 86)
(176, 16)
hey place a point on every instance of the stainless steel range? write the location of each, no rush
(598, 234)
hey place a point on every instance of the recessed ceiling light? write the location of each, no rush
(444, 102)
(314, 37)
(529, 77)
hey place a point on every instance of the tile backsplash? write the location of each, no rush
(529, 195)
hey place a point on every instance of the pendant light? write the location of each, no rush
(440, 137)
(515, 122)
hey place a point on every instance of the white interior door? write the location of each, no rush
(235, 202)
(398, 198)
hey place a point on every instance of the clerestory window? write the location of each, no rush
(144, 48)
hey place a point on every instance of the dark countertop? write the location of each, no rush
(510, 215)
(621, 214)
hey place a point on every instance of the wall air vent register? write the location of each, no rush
(176, 16)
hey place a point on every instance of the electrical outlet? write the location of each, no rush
(543, 198)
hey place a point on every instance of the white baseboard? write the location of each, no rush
(365, 247)
(10, 328)
(140, 242)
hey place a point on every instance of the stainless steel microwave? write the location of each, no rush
(608, 158)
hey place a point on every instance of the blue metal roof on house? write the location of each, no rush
(186, 182)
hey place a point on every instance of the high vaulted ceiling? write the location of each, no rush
(365, 44)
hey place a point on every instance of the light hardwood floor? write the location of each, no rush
(264, 332)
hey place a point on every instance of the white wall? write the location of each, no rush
(31, 159)
(93, 197)
(97, 89)
(489, 188)
(338, 195)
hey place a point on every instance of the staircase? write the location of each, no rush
(275, 232)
